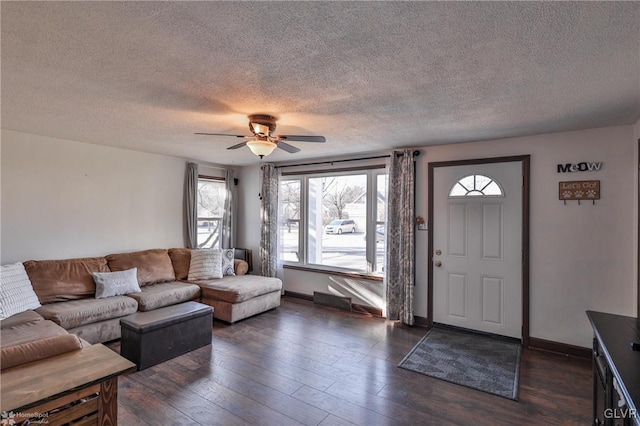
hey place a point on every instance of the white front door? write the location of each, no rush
(477, 249)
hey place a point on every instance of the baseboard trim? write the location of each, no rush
(560, 348)
(296, 295)
(362, 309)
(421, 321)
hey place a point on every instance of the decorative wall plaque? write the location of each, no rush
(579, 190)
(579, 167)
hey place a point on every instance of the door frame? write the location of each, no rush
(525, 160)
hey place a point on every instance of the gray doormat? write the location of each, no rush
(468, 359)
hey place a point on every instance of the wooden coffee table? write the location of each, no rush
(79, 386)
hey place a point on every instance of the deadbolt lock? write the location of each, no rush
(438, 252)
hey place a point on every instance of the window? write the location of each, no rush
(334, 221)
(337, 207)
(211, 198)
(381, 221)
(476, 186)
(290, 230)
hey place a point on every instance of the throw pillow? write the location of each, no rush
(228, 256)
(16, 291)
(205, 265)
(116, 283)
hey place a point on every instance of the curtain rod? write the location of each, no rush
(208, 165)
(415, 154)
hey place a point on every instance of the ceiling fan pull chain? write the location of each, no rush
(260, 180)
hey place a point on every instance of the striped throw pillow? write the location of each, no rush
(16, 292)
(205, 265)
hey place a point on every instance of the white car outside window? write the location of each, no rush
(340, 226)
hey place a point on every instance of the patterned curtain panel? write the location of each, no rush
(228, 234)
(190, 207)
(400, 237)
(269, 221)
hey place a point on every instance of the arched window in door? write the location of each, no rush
(476, 186)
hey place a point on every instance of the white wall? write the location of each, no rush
(63, 199)
(248, 216)
(582, 256)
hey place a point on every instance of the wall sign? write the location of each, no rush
(579, 190)
(579, 167)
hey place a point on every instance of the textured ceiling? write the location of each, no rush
(368, 76)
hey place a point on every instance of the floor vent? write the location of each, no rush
(332, 300)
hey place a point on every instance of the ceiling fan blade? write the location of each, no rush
(299, 138)
(289, 148)
(240, 145)
(223, 134)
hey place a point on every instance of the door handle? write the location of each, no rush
(437, 263)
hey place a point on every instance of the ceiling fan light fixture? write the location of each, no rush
(261, 148)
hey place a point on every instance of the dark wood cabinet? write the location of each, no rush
(616, 369)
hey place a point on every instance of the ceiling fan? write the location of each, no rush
(262, 141)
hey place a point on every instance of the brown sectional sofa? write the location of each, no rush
(71, 317)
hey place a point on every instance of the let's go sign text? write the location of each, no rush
(580, 190)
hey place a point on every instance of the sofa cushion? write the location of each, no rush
(117, 283)
(181, 259)
(16, 292)
(29, 332)
(238, 288)
(98, 332)
(165, 294)
(154, 266)
(79, 312)
(34, 341)
(12, 356)
(21, 319)
(61, 280)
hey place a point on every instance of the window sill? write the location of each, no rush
(338, 273)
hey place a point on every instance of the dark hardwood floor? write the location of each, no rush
(311, 365)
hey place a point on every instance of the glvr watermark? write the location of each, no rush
(579, 167)
(621, 413)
